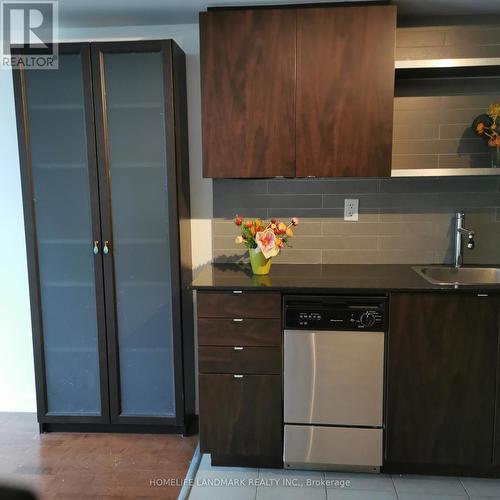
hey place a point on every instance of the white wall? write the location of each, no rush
(17, 390)
(17, 385)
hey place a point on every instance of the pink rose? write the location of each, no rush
(266, 242)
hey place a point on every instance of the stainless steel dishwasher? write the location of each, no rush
(334, 382)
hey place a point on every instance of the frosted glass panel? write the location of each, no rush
(64, 237)
(136, 130)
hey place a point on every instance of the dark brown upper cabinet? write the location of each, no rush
(345, 91)
(297, 92)
(248, 92)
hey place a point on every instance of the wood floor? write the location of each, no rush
(91, 466)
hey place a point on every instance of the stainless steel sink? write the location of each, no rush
(442, 275)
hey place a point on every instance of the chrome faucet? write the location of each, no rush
(459, 232)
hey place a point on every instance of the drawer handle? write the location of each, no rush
(482, 295)
(237, 320)
(237, 376)
(237, 291)
(238, 348)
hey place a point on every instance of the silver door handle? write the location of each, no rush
(237, 376)
(237, 320)
(238, 348)
(96, 247)
(105, 250)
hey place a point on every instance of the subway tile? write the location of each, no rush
(410, 242)
(246, 186)
(400, 161)
(350, 256)
(417, 103)
(405, 257)
(226, 242)
(359, 242)
(419, 38)
(435, 116)
(447, 52)
(323, 186)
(408, 216)
(402, 132)
(465, 37)
(224, 228)
(228, 211)
(438, 146)
(474, 160)
(437, 185)
(319, 215)
(467, 101)
(292, 256)
(455, 131)
(377, 228)
(385, 200)
(229, 255)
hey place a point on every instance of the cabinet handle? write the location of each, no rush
(238, 348)
(237, 320)
(96, 247)
(237, 376)
(105, 250)
(482, 295)
(237, 291)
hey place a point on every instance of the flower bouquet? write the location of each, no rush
(264, 241)
(487, 126)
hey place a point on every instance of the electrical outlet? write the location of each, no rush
(351, 210)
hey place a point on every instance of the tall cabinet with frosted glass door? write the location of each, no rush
(104, 168)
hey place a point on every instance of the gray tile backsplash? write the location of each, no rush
(402, 220)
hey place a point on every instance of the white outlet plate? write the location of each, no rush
(351, 209)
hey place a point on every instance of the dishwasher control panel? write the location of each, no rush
(334, 313)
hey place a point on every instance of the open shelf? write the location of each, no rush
(435, 103)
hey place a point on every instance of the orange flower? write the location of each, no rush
(480, 128)
(494, 142)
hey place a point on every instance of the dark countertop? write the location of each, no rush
(331, 278)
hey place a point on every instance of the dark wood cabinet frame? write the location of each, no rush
(177, 161)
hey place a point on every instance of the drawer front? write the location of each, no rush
(239, 305)
(239, 331)
(241, 416)
(240, 360)
(323, 446)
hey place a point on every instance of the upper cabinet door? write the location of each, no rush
(248, 92)
(345, 91)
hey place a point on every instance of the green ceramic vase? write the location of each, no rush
(260, 265)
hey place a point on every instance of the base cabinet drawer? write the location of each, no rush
(239, 331)
(319, 446)
(238, 305)
(239, 359)
(240, 418)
